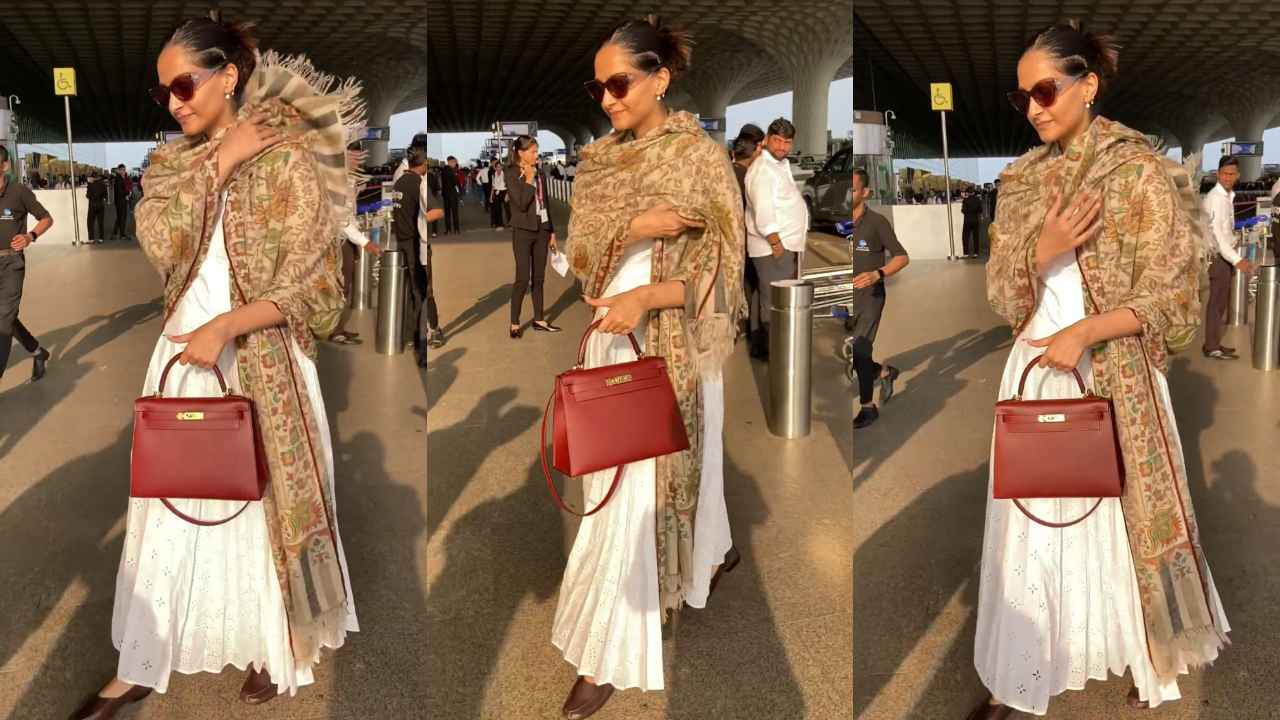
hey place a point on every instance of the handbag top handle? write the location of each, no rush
(1022, 384)
(169, 366)
(582, 347)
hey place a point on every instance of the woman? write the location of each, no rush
(1094, 249)
(656, 237)
(250, 285)
(532, 234)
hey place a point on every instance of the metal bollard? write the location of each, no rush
(1238, 306)
(362, 281)
(389, 339)
(790, 357)
(1266, 325)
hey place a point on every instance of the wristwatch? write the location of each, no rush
(880, 273)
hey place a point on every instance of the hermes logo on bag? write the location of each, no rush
(618, 380)
(190, 415)
(1052, 418)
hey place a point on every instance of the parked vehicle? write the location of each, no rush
(829, 191)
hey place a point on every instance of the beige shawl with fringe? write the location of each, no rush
(620, 177)
(1145, 261)
(284, 210)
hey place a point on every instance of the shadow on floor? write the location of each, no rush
(67, 367)
(924, 395)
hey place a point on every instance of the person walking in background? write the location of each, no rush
(1219, 205)
(777, 217)
(450, 191)
(499, 210)
(484, 176)
(971, 208)
(532, 233)
(16, 203)
(96, 192)
(405, 225)
(746, 148)
(1095, 265)
(877, 254)
(120, 189)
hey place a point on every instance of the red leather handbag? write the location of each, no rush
(205, 448)
(1056, 449)
(609, 416)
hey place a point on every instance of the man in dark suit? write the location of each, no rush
(120, 187)
(452, 193)
(97, 194)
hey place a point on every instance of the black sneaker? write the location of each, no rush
(38, 362)
(1219, 354)
(866, 416)
(1228, 350)
(886, 384)
(436, 338)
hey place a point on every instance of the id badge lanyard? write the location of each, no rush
(542, 202)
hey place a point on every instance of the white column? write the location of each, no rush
(811, 100)
(1248, 123)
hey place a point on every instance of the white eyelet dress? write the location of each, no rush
(1057, 607)
(196, 599)
(608, 623)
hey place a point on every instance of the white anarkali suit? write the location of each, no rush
(608, 622)
(196, 599)
(1057, 607)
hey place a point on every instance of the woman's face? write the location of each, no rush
(1067, 115)
(208, 108)
(529, 156)
(641, 100)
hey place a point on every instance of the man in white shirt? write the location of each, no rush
(1219, 206)
(482, 176)
(777, 218)
(498, 197)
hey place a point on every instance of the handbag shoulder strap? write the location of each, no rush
(1022, 384)
(546, 468)
(1046, 523)
(198, 521)
(582, 346)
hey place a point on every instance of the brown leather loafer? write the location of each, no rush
(585, 699)
(987, 711)
(257, 687)
(100, 708)
(1135, 702)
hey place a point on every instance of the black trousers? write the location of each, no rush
(486, 188)
(498, 209)
(969, 236)
(13, 271)
(1219, 302)
(865, 326)
(96, 220)
(530, 249)
(122, 217)
(451, 215)
(431, 314)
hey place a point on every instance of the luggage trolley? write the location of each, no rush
(833, 295)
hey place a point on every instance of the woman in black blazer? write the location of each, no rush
(532, 233)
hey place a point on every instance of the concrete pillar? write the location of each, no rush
(386, 84)
(811, 100)
(1248, 121)
(585, 137)
(723, 67)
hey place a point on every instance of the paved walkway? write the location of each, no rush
(774, 644)
(64, 483)
(920, 480)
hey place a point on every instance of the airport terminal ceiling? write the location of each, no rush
(514, 60)
(113, 46)
(1186, 67)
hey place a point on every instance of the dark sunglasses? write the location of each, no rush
(183, 87)
(618, 86)
(1045, 93)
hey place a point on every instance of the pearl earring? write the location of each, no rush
(227, 96)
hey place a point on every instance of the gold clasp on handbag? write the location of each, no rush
(618, 380)
(191, 415)
(1052, 418)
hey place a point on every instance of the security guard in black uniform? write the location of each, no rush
(16, 202)
(873, 239)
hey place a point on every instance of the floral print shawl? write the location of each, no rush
(284, 210)
(619, 178)
(1146, 261)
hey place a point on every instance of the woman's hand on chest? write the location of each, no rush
(659, 222)
(1067, 226)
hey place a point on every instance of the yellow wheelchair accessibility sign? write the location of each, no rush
(940, 97)
(64, 81)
